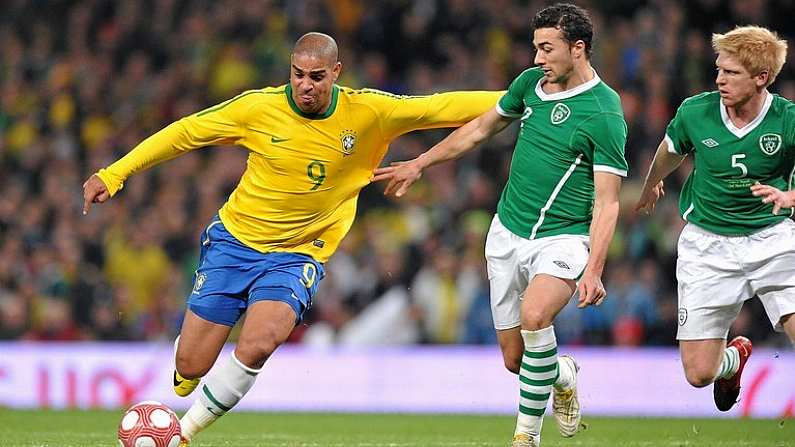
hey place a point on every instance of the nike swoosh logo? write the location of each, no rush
(177, 382)
(274, 139)
(210, 409)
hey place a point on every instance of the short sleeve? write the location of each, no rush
(511, 105)
(607, 134)
(676, 136)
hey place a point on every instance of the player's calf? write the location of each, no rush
(183, 386)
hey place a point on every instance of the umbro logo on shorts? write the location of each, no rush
(562, 265)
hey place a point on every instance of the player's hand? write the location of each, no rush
(769, 194)
(94, 191)
(591, 289)
(649, 197)
(401, 176)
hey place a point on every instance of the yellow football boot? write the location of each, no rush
(183, 386)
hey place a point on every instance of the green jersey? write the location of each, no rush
(727, 161)
(564, 138)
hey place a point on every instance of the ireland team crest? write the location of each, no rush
(770, 143)
(560, 113)
(348, 140)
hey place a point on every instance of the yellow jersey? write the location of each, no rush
(304, 172)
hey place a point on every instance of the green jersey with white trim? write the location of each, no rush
(564, 138)
(727, 161)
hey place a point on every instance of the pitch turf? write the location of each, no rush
(98, 428)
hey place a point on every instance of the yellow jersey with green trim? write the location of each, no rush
(304, 172)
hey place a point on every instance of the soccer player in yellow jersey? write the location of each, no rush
(313, 145)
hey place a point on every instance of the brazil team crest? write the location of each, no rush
(560, 113)
(200, 279)
(770, 143)
(348, 141)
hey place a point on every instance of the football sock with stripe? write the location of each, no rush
(537, 374)
(730, 363)
(222, 389)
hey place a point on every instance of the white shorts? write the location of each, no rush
(716, 274)
(512, 261)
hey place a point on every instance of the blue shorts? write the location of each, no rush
(231, 276)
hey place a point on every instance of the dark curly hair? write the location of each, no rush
(574, 22)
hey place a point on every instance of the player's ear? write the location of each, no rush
(762, 78)
(337, 70)
(578, 49)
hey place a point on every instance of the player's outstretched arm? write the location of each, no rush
(401, 175)
(94, 191)
(665, 162)
(770, 194)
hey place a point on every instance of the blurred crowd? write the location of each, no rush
(82, 82)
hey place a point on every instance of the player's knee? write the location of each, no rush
(699, 377)
(535, 319)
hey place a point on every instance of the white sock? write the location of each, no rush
(730, 363)
(537, 373)
(222, 389)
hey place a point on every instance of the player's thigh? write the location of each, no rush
(507, 281)
(200, 342)
(266, 326)
(701, 359)
(711, 284)
(772, 272)
(512, 347)
(558, 264)
(563, 257)
(544, 298)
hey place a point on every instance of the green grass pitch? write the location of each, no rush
(98, 428)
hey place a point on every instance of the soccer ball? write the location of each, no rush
(149, 424)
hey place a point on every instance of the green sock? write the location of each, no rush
(539, 370)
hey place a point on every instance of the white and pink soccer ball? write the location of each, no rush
(149, 424)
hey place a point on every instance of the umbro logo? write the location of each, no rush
(709, 142)
(562, 265)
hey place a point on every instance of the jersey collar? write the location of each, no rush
(313, 116)
(567, 93)
(740, 132)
